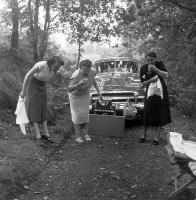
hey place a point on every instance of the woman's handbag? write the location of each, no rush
(129, 110)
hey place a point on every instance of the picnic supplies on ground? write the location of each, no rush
(103, 106)
(183, 153)
(107, 125)
(183, 146)
(130, 110)
(21, 114)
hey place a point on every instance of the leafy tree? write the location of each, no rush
(87, 20)
(169, 28)
(13, 4)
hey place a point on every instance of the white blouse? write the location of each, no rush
(44, 74)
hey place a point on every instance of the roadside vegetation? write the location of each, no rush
(167, 27)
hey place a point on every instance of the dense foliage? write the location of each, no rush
(169, 28)
(165, 26)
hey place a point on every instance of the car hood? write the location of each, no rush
(119, 83)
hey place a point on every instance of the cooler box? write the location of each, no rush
(107, 125)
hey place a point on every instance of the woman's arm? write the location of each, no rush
(148, 82)
(34, 70)
(76, 86)
(96, 87)
(143, 80)
(163, 74)
(72, 85)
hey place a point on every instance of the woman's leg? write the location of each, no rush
(143, 136)
(37, 132)
(158, 131)
(144, 132)
(85, 127)
(77, 130)
(86, 135)
(45, 128)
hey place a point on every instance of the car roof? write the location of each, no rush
(115, 59)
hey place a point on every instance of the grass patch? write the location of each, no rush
(22, 159)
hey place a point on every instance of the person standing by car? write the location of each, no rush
(34, 92)
(79, 96)
(156, 107)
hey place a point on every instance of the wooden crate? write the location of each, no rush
(107, 125)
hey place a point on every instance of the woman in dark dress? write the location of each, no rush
(156, 109)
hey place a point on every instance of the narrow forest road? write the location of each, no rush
(111, 168)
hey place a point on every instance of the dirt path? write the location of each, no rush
(110, 168)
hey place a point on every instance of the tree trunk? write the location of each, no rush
(34, 28)
(194, 41)
(79, 53)
(15, 32)
(44, 36)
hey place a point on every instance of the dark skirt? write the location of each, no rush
(36, 100)
(156, 111)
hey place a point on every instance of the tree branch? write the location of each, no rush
(176, 3)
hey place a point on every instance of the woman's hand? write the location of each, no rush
(99, 94)
(154, 79)
(22, 94)
(82, 82)
(151, 68)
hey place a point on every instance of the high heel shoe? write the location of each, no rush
(142, 139)
(155, 142)
(48, 138)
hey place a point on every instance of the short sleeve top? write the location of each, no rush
(85, 90)
(44, 73)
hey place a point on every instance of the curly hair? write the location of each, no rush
(55, 59)
(86, 63)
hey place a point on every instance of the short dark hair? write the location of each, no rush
(55, 59)
(152, 54)
(86, 63)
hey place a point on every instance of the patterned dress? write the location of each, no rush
(156, 110)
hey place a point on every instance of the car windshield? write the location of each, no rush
(116, 81)
(116, 66)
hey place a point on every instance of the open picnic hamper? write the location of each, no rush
(182, 153)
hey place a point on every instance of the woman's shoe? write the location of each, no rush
(79, 140)
(155, 142)
(87, 138)
(38, 139)
(142, 140)
(48, 138)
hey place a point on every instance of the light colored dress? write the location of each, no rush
(80, 98)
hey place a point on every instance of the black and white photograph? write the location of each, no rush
(97, 99)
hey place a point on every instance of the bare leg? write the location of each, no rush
(144, 132)
(77, 130)
(85, 126)
(45, 128)
(143, 136)
(86, 135)
(158, 131)
(37, 132)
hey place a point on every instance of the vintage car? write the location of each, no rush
(119, 82)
